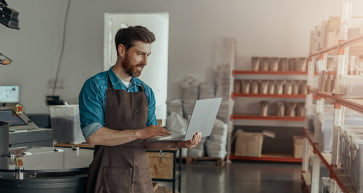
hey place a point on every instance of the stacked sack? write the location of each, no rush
(206, 90)
(177, 124)
(224, 80)
(190, 93)
(217, 141)
(175, 106)
(197, 151)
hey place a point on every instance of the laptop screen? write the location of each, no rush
(203, 117)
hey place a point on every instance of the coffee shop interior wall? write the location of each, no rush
(198, 30)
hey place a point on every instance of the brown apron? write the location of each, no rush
(122, 168)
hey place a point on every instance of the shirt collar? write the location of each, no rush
(116, 81)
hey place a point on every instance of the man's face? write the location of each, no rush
(136, 58)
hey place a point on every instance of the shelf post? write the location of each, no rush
(345, 20)
(311, 71)
(306, 155)
(338, 121)
(315, 178)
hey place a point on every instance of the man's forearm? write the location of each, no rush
(110, 137)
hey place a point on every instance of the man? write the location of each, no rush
(117, 112)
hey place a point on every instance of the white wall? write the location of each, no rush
(197, 31)
(156, 73)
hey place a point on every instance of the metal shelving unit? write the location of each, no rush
(301, 96)
(269, 158)
(270, 118)
(264, 121)
(339, 180)
(250, 72)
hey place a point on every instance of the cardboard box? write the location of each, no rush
(298, 146)
(248, 144)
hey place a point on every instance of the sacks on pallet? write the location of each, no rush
(223, 82)
(224, 110)
(188, 107)
(176, 106)
(217, 141)
(206, 90)
(176, 123)
(197, 151)
(190, 89)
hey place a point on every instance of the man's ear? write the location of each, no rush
(121, 49)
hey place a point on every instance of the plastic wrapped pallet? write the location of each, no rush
(197, 151)
(217, 141)
(188, 107)
(223, 82)
(223, 113)
(223, 90)
(177, 124)
(175, 106)
(219, 132)
(66, 124)
(190, 89)
(207, 90)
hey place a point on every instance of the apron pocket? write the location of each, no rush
(117, 180)
(143, 183)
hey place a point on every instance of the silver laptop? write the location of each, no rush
(202, 120)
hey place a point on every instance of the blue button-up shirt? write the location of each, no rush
(92, 100)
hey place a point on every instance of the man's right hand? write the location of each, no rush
(151, 131)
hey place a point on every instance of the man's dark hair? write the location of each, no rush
(127, 36)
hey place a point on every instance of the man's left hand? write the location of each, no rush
(193, 142)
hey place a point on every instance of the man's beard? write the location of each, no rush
(130, 69)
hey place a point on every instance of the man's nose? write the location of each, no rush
(144, 60)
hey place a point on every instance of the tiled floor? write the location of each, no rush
(246, 177)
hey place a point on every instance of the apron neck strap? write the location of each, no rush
(109, 82)
(141, 88)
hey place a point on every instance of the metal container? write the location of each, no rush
(4, 139)
(45, 169)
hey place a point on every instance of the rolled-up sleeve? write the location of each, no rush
(91, 108)
(151, 118)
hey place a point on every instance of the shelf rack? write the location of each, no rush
(335, 173)
(339, 182)
(269, 158)
(245, 72)
(271, 118)
(272, 121)
(300, 96)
